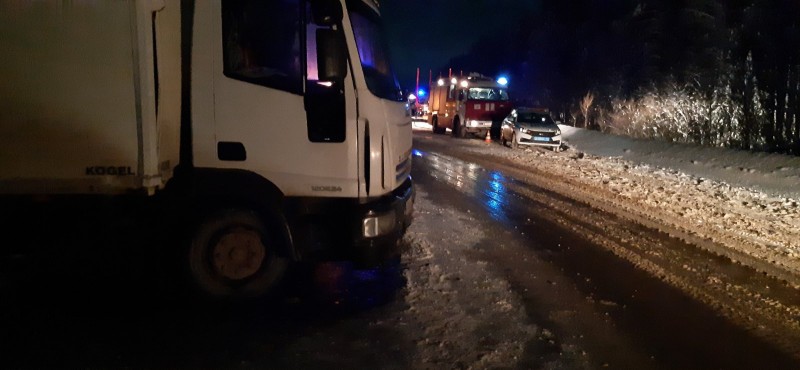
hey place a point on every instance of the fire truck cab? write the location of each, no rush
(475, 104)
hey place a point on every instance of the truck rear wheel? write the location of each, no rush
(458, 131)
(234, 254)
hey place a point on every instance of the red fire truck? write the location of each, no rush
(475, 104)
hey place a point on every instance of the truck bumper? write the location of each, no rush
(340, 229)
(478, 127)
(381, 225)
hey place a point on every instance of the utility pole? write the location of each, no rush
(416, 90)
(430, 78)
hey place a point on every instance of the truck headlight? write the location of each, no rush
(378, 224)
(473, 123)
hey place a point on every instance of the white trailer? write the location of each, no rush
(277, 126)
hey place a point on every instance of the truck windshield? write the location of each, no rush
(487, 93)
(373, 52)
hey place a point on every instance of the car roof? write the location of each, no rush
(533, 110)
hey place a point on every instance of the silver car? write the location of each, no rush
(527, 126)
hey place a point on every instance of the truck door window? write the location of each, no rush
(261, 43)
(324, 100)
(372, 52)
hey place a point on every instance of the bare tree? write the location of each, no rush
(586, 104)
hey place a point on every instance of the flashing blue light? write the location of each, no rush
(418, 153)
(502, 81)
(421, 93)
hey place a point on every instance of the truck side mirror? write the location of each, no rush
(327, 12)
(331, 55)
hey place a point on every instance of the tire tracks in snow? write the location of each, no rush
(760, 305)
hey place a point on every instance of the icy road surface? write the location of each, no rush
(730, 249)
(523, 259)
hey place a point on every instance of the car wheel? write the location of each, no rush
(234, 254)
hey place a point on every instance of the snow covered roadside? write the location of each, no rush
(774, 174)
(760, 228)
(745, 201)
(466, 316)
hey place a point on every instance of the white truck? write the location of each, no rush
(276, 127)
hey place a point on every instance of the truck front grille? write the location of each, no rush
(403, 169)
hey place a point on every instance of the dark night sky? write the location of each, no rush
(427, 33)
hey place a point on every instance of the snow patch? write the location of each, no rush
(469, 317)
(754, 213)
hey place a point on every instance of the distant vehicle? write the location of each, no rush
(530, 126)
(474, 105)
(423, 111)
(418, 109)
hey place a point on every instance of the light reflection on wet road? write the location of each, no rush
(649, 316)
(488, 186)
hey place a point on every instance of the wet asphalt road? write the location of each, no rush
(80, 291)
(621, 315)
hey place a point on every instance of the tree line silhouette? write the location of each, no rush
(712, 72)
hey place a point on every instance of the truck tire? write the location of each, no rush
(495, 131)
(458, 131)
(233, 254)
(436, 128)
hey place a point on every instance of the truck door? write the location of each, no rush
(271, 114)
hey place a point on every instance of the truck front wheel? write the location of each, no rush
(458, 131)
(435, 124)
(234, 254)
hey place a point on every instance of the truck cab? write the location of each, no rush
(275, 128)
